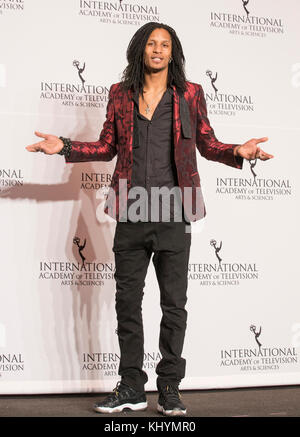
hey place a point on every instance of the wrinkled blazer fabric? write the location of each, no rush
(191, 130)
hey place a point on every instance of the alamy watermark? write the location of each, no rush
(153, 204)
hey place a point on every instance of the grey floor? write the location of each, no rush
(250, 402)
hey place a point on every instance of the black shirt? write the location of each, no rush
(153, 161)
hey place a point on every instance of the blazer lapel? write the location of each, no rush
(185, 118)
(181, 118)
(176, 117)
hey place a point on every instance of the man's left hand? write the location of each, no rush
(250, 150)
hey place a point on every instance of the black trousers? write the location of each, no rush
(134, 244)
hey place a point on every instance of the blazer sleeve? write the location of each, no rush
(206, 142)
(105, 148)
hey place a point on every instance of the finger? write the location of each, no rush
(261, 140)
(257, 153)
(39, 134)
(264, 156)
(262, 152)
(31, 149)
(34, 147)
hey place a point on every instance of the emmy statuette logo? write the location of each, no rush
(80, 70)
(212, 79)
(245, 3)
(213, 243)
(76, 241)
(256, 334)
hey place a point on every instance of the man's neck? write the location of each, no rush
(155, 82)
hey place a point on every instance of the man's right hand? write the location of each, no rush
(50, 145)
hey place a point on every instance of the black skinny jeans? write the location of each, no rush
(134, 243)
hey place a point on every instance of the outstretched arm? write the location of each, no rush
(229, 154)
(206, 141)
(102, 150)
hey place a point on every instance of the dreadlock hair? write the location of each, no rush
(133, 75)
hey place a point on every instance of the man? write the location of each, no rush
(154, 119)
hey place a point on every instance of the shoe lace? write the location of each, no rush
(116, 389)
(115, 392)
(172, 392)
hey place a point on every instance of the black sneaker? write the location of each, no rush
(169, 402)
(122, 397)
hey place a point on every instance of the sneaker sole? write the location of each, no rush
(120, 408)
(176, 412)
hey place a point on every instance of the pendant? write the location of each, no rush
(147, 110)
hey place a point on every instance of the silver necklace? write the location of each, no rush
(148, 109)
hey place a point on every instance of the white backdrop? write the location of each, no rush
(57, 323)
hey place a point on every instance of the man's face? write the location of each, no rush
(158, 50)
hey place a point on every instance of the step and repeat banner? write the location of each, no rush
(57, 314)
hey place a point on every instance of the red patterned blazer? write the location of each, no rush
(191, 129)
